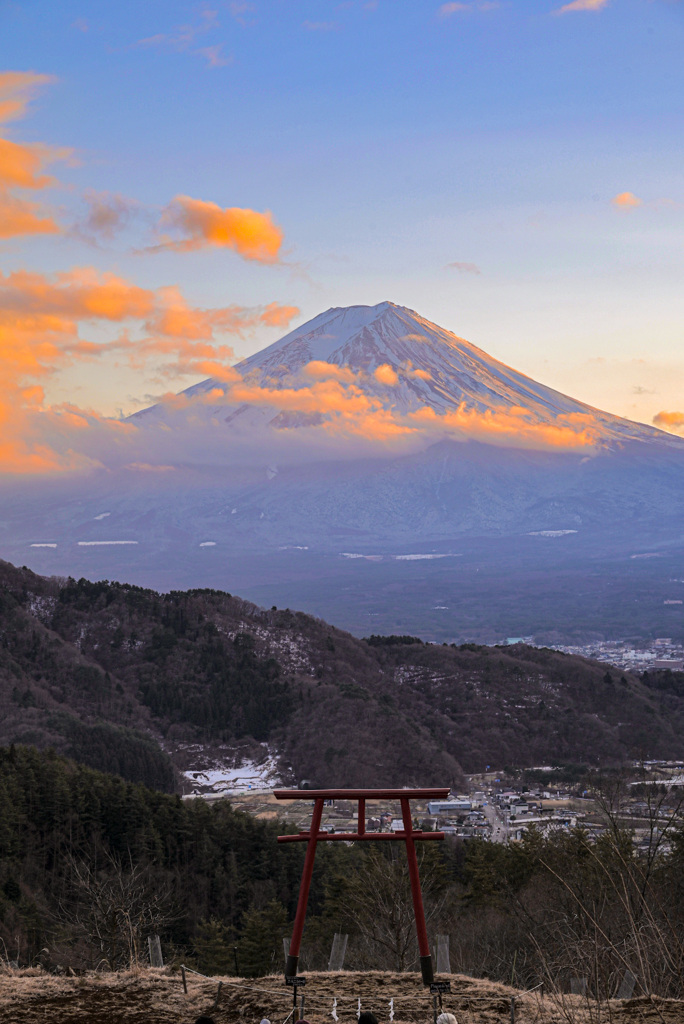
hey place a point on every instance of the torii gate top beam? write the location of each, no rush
(361, 794)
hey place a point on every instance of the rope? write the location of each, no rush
(284, 994)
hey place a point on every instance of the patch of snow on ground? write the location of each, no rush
(417, 558)
(42, 606)
(102, 515)
(43, 545)
(221, 778)
(103, 543)
(550, 533)
(401, 558)
(287, 647)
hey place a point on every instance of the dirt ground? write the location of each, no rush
(156, 997)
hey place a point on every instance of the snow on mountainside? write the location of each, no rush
(406, 363)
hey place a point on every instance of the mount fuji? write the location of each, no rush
(408, 364)
(377, 470)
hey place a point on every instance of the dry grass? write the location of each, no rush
(156, 997)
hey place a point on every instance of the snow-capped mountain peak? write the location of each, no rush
(407, 364)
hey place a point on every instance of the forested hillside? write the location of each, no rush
(91, 865)
(110, 674)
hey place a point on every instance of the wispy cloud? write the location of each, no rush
(184, 38)
(108, 214)
(17, 89)
(582, 5)
(465, 268)
(456, 7)
(321, 26)
(242, 12)
(214, 56)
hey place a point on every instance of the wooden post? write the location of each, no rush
(218, 993)
(185, 980)
(154, 946)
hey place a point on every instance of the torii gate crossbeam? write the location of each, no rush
(315, 836)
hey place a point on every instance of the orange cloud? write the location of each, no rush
(320, 370)
(40, 321)
(335, 409)
(582, 5)
(512, 427)
(17, 88)
(19, 217)
(278, 316)
(384, 374)
(251, 234)
(672, 421)
(626, 201)
(21, 166)
(446, 10)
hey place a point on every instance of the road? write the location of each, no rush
(496, 820)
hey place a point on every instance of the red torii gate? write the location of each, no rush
(314, 836)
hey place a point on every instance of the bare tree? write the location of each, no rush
(377, 899)
(116, 908)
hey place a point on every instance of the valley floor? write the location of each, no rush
(141, 997)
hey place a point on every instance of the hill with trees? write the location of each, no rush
(91, 865)
(115, 675)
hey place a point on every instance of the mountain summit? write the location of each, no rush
(408, 365)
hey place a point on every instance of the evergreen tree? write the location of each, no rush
(213, 948)
(260, 949)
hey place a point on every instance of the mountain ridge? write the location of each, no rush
(124, 679)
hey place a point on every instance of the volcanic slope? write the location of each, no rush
(430, 367)
(377, 470)
(113, 674)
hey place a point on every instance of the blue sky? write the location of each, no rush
(461, 159)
